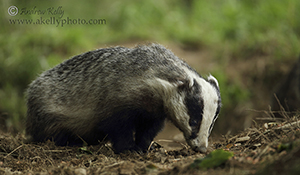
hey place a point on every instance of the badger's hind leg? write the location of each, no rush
(35, 125)
(42, 126)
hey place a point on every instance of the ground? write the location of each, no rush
(269, 147)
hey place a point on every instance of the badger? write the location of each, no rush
(122, 95)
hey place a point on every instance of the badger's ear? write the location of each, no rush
(183, 84)
(213, 81)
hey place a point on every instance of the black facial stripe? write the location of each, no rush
(212, 124)
(214, 84)
(195, 107)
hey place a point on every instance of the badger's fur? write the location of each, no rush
(122, 95)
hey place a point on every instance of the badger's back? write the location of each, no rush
(76, 95)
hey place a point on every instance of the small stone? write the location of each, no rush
(80, 171)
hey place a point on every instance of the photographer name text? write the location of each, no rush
(49, 11)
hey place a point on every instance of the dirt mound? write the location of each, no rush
(264, 148)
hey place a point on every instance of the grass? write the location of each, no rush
(230, 29)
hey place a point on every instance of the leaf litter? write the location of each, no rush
(265, 148)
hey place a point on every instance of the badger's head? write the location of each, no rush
(196, 109)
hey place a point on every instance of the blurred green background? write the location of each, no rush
(248, 45)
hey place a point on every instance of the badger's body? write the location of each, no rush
(122, 95)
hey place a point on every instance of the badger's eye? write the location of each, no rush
(193, 122)
(195, 126)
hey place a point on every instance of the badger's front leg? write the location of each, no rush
(147, 128)
(122, 140)
(119, 129)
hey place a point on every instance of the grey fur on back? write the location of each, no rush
(79, 93)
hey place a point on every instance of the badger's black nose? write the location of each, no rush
(201, 149)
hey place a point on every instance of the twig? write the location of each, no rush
(150, 145)
(84, 142)
(271, 112)
(172, 141)
(289, 125)
(260, 134)
(270, 119)
(232, 138)
(115, 164)
(13, 151)
(242, 139)
(282, 110)
(262, 152)
(58, 151)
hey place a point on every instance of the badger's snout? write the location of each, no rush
(201, 149)
(198, 144)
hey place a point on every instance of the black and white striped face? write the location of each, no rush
(203, 105)
(193, 105)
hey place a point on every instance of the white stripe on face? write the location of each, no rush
(210, 99)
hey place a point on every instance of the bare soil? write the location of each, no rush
(266, 148)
